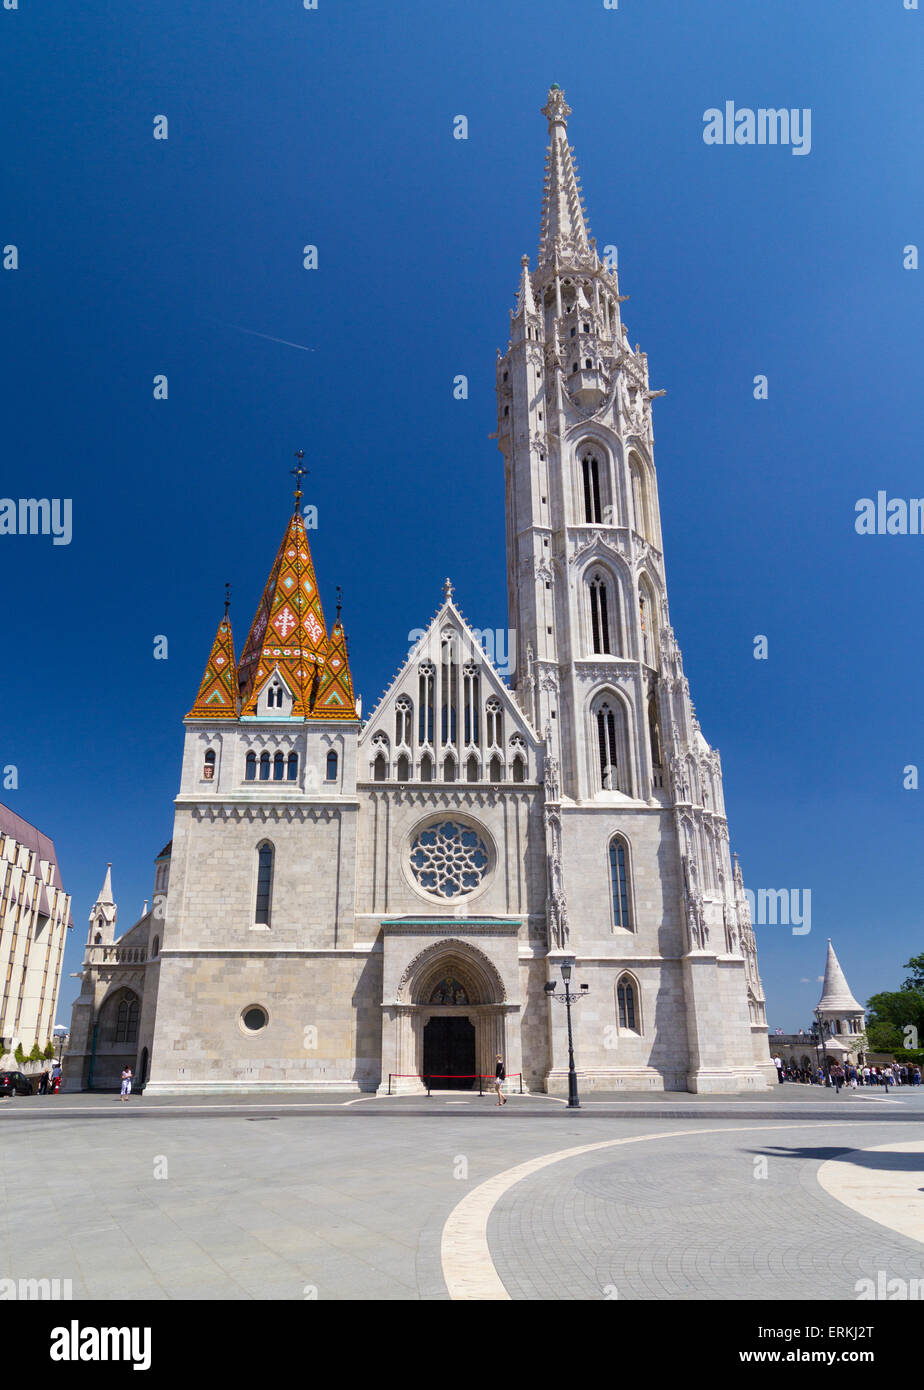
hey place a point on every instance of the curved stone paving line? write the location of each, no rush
(683, 1230)
(888, 1192)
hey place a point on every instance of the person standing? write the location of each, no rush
(500, 1076)
(56, 1078)
(43, 1083)
(126, 1083)
(778, 1063)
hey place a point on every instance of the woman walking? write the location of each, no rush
(500, 1076)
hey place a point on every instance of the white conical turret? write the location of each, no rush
(836, 997)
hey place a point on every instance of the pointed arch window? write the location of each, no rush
(264, 767)
(426, 768)
(620, 887)
(208, 766)
(425, 703)
(404, 714)
(590, 471)
(126, 1030)
(380, 768)
(291, 767)
(519, 768)
(250, 771)
(331, 767)
(654, 732)
(495, 771)
(404, 768)
(603, 616)
(449, 768)
(449, 696)
(494, 723)
(263, 903)
(472, 703)
(279, 767)
(612, 746)
(471, 769)
(627, 1004)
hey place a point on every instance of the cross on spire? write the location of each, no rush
(339, 601)
(227, 599)
(298, 473)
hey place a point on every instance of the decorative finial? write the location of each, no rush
(339, 601)
(447, 589)
(227, 598)
(298, 473)
(556, 109)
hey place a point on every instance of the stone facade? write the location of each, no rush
(357, 905)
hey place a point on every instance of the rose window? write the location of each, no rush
(449, 859)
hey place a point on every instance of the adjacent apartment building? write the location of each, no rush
(35, 913)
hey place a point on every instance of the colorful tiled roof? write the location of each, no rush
(218, 692)
(289, 632)
(335, 698)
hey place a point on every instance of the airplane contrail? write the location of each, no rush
(254, 334)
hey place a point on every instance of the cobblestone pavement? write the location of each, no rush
(735, 1215)
(253, 1201)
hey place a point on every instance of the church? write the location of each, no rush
(356, 904)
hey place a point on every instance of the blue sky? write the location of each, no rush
(334, 127)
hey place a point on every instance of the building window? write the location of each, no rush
(494, 723)
(472, 703)
(127, 1020)
(404, 768)
(627, 1004)
(619, 883)
(274, 696)
(264, 885)
(404, 713)
(425, 704)
(208, 767)
(264, 767)
(279, 767)
(291, 767)
(331, 772)
(155, 947)
(380, 768)
(448, 859)
(426, 768)
(495, 773)
(519, 768)
(251, 767)
(590, 471)
(254, 1019)
(471, 769)
(612, 747)
(600, 620)
(449, 768)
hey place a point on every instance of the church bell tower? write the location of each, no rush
(637, 841)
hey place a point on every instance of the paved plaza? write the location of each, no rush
(798, 1194)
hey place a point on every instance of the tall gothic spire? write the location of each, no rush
(564, 230)
(218, 696)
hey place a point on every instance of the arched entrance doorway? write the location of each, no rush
(450, 1017)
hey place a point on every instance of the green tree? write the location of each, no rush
(903, 1008)
(49, 1052)
(19, 1054)
(916, 979)
(36, 1054)
(884, 1037)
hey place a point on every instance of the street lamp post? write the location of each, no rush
(819, 1027)
(568, 998)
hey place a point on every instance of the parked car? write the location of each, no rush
(14, 1083)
